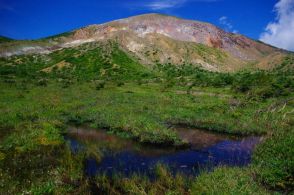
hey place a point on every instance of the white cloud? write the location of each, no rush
(224, 21)
(226, 24)
(159, 5)
(280, 33)
(156, 5)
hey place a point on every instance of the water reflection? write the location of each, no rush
(126, 157)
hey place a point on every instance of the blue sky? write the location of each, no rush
(31, 19)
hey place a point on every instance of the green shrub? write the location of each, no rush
(100, 85)
(120, 83)
(44, 188)
(42, 82)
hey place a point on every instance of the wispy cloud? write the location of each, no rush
(160, 5)
(156, 5)
(280, 33)
(226, 24)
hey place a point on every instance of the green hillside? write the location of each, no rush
(5, 39)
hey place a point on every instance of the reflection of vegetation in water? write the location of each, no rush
(103, 141)
(34, 105)
(126, 157)
(98, 138)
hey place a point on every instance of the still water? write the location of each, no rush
(127, 157)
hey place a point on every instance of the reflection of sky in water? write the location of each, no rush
(189, 161)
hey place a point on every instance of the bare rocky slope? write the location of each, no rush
(156, 38)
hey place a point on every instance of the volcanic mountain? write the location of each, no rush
(155, 38)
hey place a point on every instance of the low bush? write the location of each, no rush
(100, 85)
(42, 82)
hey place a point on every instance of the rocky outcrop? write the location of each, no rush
(154, 38)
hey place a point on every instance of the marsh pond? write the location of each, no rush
(122, 156)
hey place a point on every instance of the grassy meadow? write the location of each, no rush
(106, 88)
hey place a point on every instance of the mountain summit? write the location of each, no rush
(156, 38)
